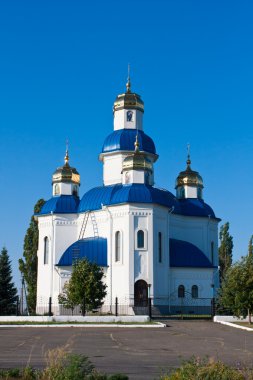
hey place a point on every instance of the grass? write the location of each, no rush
(76, 323)
(62, 365)
(208, 369)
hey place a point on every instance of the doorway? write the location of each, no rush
(141, 293)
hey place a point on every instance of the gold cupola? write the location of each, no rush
(189, 183)
(66, 179)
(128, 100)
(137, 168)
(137, 161)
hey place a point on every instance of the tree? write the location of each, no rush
(225, 250)
(237, 288)
(8, 292)
(67, 299)
(250, 248)
(85, 287)
(28, 265)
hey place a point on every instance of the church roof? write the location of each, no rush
(185, 254)
(124, 139)
(133, 193)
(195, 207)
(141, 193)
(62, 204)
(93, 249)
(117, 194)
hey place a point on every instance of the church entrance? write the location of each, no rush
(141, 293)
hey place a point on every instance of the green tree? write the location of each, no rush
(237, 288)
(85, 287)
(67, 299)
(8, 292)
(28, 265)
(250, 247)
(225, 250)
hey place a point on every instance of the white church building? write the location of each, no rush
(149, 242)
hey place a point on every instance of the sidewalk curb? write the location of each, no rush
(157, 325)
(234, 325)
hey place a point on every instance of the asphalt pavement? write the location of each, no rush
(141, 353)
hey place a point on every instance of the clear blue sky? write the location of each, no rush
(62, 65)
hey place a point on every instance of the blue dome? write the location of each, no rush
(63, 204)
(93, 249)
(134, 193)
(185, 254)
(195, 207)
(124, 139)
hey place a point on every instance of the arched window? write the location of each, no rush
(75, 190)
(181, 291)
(46, 250)
(159, 247)
(56, 189)
(195, 291)
(140, 239)
(117, 246)
(199, 193)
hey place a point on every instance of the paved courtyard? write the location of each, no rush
(141, 353)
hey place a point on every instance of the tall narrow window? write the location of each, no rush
(117, 246)
(140, 239)
(212, 252)
(159, 247)
(181, 291)
(46, 250)
(195, 291)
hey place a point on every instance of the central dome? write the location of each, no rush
(124, 139)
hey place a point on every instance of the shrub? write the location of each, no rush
(66, 366)
(199, 369)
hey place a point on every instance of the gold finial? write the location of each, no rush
(188, 155)
(66, 158)
(128, 85)
(136, 144)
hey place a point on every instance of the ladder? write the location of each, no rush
(94, 224)
(76, 248)
(84, 224)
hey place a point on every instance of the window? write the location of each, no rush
(195, 291)
(159, 247)
(140, 239)
(130, 115)
(199, 193)
(75, 190)
(212, 252)
(117, 246)
(181, 291)
(46, 250)
(56, 189)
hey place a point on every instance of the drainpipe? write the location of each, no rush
(105, 208)
(52, 255)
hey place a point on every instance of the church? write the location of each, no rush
(149, 241)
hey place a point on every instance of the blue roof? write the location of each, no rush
(185, 254)
(195, 207)
(124, 139)
(134, 193)
(93, 249)
(63, 204)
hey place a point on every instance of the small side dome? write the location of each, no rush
(66, 174)
(189, 177)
